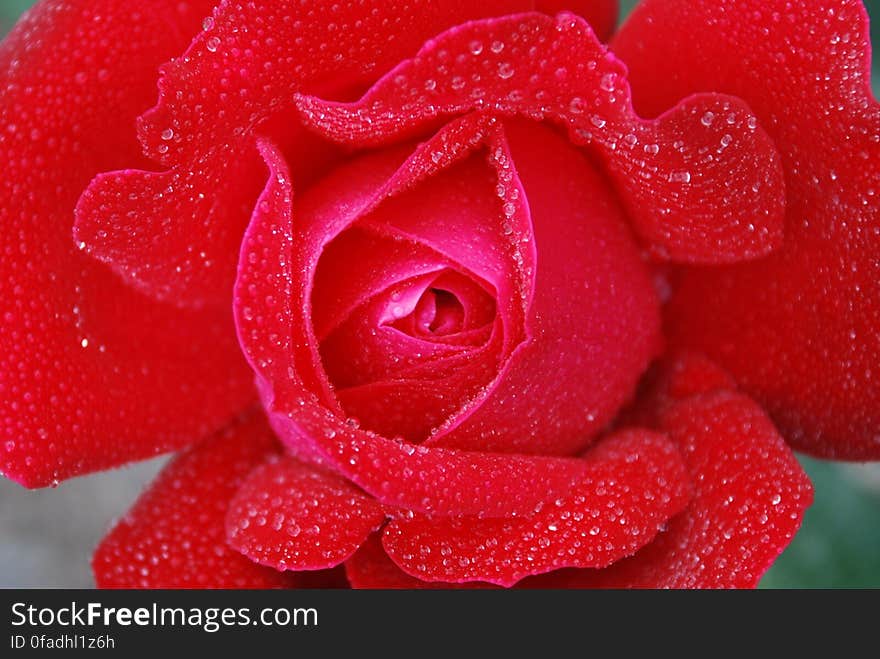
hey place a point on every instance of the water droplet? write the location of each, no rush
(576, 106)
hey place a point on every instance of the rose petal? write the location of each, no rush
(92, 375)
(371, 568)
(434, 481)
(698, 190)
(593, 320)
(400, 385)
(170, 234)
(365, 349)
(412, 408)
(174, 536)
(600, 14)
(174, 234)
(671, 380)
(634, 482)
(799, 331)
(364, 43)
(290, 517)
(502, 418)
(357, 266)
(691, 374)
(322, 215)
(446, 198)
(750, 494)
(456, 213)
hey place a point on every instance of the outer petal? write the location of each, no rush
(687, 179)
(290, 517)
(237, 75)
(91, 374)
(633, 484)
(750, 497)
(800, 331)
(676, 377)
(600, 14)
(750, 494)
(169, 234)
(174, 536)
(371, 568)
(365, 42)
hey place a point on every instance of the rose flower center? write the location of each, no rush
(439, 312)
(452, 308)
(481, 305)
(403, 332)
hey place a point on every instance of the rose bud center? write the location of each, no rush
(451, 308)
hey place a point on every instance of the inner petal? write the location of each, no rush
(421, 321)
(401, 362)
(439, 313)
(453, 308)
(417, 303)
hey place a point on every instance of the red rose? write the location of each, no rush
(447, 233)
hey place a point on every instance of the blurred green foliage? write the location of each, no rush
(839, 544)
(10, 10)
(626, 6)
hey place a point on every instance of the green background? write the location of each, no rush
(10, 9)
(839, 545)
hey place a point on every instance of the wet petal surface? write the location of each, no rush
(799, 331)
